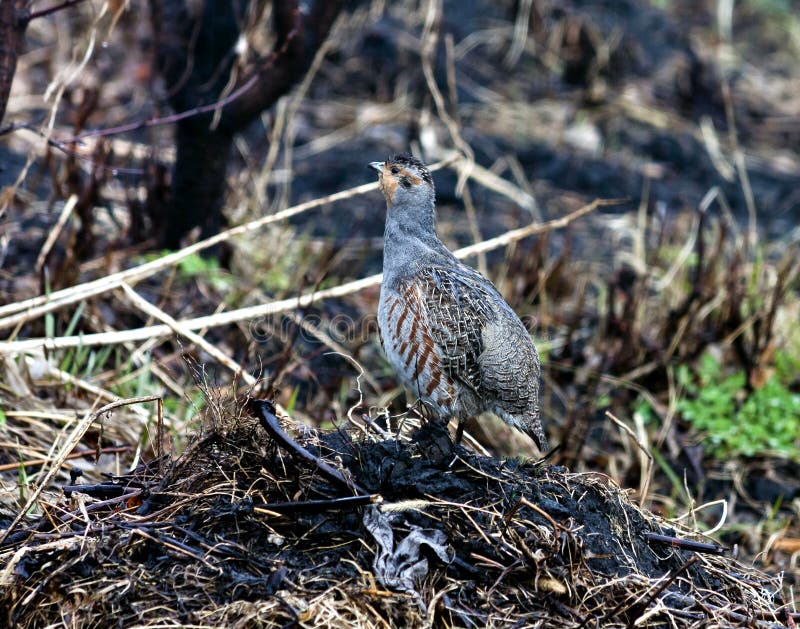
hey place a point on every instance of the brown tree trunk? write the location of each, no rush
(198, 185)
(13, 22)
(196, 43)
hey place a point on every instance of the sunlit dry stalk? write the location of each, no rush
(36, 306)
(70, 443)
(263, 310)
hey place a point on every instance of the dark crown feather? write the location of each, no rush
(409, 160)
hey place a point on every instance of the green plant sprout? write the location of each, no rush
(735, 422)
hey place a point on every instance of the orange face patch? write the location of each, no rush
(388, 185)
(390, 181)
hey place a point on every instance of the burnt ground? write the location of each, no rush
(238, 532)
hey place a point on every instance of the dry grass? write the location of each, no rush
(234, 532)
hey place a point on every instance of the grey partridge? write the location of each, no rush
(451, 338)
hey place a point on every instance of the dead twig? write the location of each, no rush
(265, 412)
(72, 440)
(74, 455)
(685, 544)
(314, 506)
(241, 314)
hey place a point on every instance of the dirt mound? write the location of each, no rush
(235, 532)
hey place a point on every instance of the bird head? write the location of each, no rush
(404, 181)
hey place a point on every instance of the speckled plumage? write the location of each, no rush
(449, 335)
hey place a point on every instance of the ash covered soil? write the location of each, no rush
(237, 531)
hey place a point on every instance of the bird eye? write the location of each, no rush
(395, 170)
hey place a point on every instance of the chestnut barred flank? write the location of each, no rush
(453, 341)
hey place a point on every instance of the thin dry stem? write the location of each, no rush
(256, 312)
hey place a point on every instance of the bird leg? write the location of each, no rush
(459, 431)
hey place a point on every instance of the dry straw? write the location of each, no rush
(16, 314)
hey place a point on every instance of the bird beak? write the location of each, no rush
(377, 166)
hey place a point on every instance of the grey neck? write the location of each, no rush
(410, 239)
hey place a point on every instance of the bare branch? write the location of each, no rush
(56, 7)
